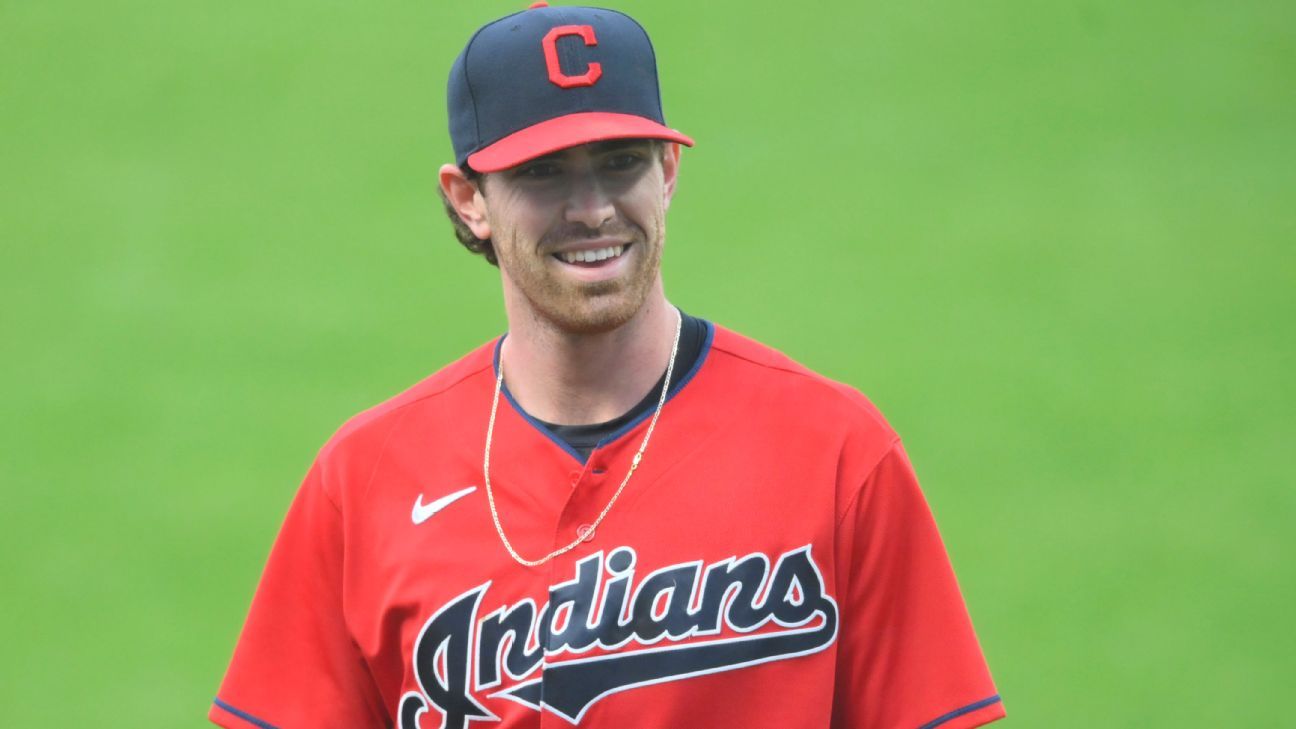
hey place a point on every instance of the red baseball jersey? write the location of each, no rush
(771, 563)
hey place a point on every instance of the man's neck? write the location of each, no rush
(576, 379)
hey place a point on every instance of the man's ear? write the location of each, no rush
(670, 169)
(466, 199)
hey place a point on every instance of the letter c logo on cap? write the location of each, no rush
(556, 75)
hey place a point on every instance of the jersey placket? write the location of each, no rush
(592, 485)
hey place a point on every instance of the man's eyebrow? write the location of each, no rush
(544, 158)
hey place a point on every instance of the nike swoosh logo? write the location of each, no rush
(422, 512)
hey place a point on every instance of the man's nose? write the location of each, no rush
(590, 202)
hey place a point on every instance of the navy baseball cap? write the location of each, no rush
(548, 78)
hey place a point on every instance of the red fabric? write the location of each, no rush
(754, 456)
(296, 664)
(568, 131)
(909, 653)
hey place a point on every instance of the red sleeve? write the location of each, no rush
(907, 655)
(295, 664)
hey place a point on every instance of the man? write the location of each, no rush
(616, 515)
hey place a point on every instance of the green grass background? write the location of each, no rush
(1053, 241)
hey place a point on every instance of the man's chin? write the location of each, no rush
(596, 314)
(608, 288)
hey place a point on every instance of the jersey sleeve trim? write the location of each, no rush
(218, 704)
(944, 719)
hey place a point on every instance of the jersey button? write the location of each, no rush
(585, 532)
(575, 478)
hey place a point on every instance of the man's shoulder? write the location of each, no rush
(372, 424)
(783, 380)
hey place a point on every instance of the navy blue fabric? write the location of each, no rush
(695, 334)
(622, 426)
(499, 84)
(244, 715)
(960, 712)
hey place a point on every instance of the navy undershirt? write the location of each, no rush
(584, 438)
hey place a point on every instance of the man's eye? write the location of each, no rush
(624, 161)
(539, 170)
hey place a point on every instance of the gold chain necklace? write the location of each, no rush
(583, 534)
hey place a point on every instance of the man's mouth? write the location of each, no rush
(594, 257)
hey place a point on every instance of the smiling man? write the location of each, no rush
(616, 515)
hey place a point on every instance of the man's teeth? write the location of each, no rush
(592, 256)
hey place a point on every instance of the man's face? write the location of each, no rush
(579, 233)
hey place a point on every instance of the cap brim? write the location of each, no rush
(568, 131)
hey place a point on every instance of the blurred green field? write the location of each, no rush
(1054, 242)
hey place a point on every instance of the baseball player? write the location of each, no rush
(617, 514)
